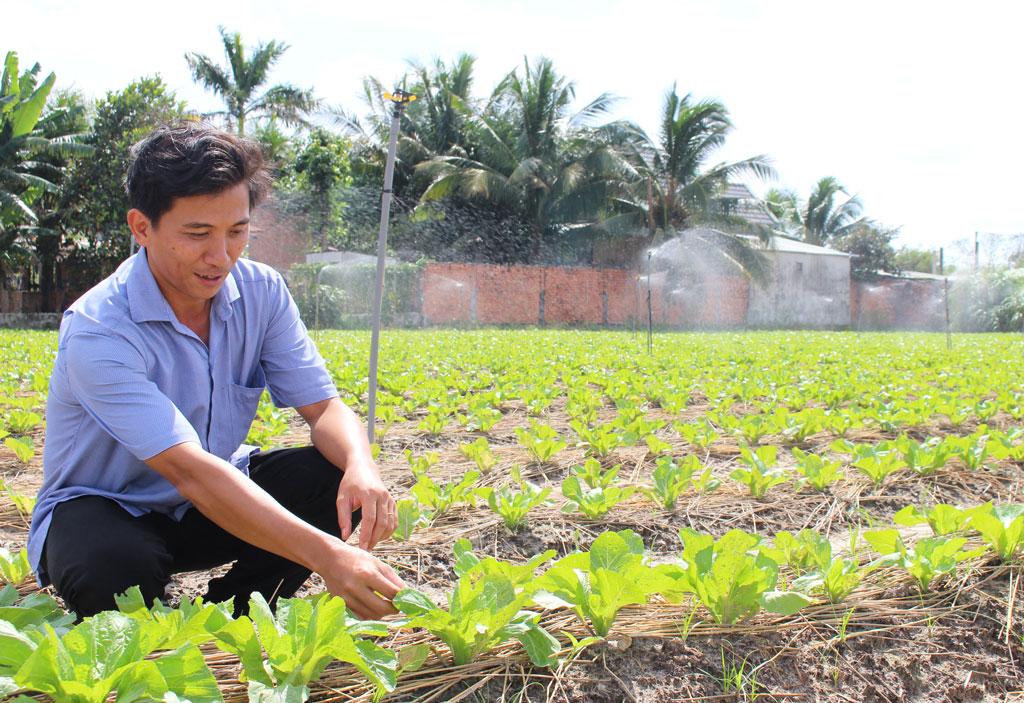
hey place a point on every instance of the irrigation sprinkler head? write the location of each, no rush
(400, 98)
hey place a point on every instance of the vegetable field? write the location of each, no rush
(748, 516)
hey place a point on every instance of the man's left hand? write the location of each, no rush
(361, 487)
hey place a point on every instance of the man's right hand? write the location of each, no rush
(366, 583)
(237, 504)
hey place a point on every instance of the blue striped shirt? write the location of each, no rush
(131, 381)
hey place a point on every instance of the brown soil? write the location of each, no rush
(960, 642)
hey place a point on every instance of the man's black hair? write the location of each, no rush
(192, 158)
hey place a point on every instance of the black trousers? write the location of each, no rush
(96, 549)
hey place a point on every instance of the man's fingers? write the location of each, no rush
(388, 573)
(345, 516)
(384, 513)
(369, 528)
(370, 606)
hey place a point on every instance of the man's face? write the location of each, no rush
(194, 245)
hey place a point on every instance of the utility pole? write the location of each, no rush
(975, 252)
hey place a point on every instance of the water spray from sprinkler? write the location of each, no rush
(400, 98)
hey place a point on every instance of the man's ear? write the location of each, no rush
(140, 226)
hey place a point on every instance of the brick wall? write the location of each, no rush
(897, 304)
(486, 294)
(273, 242)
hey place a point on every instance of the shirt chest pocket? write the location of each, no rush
(245, 401)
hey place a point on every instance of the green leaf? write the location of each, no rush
(784, 602)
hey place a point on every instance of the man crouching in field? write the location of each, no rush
(158, 374)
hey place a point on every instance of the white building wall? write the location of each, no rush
(804, 290)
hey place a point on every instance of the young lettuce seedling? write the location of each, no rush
(281, 653)
(930, 557)
(594, 474)
(599, 583)
(480, 452)
(817, 471)
(513, 507)
(109, 651)
(731, 582)
(410, 517)
(760, 476)
(484, 610)
(671, 478)
(541, 441)
(943, 519)
(14, 568)
(1001, 526)
(592, 502)
(440, 497)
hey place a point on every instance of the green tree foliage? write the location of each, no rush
(871, 247)
(35, 146)
(311, 188)
(829, 212)
(98, 238)
(321, 165)
(908, 259)
(675, 185)
(238, 84)
(531, 157)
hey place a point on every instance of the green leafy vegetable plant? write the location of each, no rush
(541, 441)
(594, 474)
(480, 452)
(760, 476)
(671, 478)
(923, 458)
(599, 441)
(440, 497)
(514, 506)
(484, 610)
(14, 568)
(706, 482)
(700, 434)
(599, 583)
(943, 519)
(929, 558)
(21, 421)
(281, 653)
(817, 471)
(23, 447)
(410, 517)
(108, 651)
(1001, 526)
(592, 502)
(729, 580)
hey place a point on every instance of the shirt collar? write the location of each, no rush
(147, 303)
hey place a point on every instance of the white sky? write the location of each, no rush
(914, 106)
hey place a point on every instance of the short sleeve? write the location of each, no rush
(295, 371)
(107, 375)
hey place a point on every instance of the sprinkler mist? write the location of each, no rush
(400, 98)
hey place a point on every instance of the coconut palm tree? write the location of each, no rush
(529, 155)
(667, 189)
(673, 187)
(239, 83)
(829, 213)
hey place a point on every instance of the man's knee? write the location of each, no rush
(89, 587)
(94, 552)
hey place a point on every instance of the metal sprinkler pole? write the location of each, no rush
(949, 333)
(650, 315)
(400, 99)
